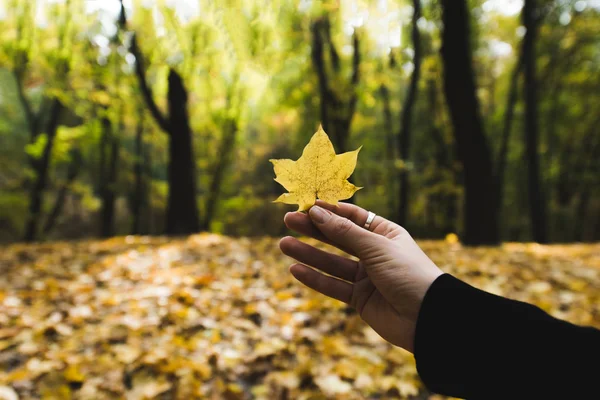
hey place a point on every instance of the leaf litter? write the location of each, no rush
(214, 317)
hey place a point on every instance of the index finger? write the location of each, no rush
(302, 224)
(359, 216)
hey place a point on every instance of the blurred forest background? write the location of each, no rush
(478, 118)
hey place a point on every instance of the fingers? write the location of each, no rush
(344, 232)
(331, 264)
(302, 224)
(357, 215)
(326, 285)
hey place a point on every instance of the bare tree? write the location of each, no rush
(480, 210)
(43, 124)
(405, 134)
(537, 201)
(337, 108)
(182, 207)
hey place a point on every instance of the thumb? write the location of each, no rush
(341, 231)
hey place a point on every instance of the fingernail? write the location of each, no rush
(318, 214)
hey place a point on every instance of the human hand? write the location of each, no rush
(388, 282)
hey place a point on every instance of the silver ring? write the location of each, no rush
(370, 219)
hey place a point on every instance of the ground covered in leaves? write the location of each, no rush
(220, 318)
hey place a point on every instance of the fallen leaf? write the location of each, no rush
(332, 385)
(318, 174)
(8, 393)
(185, 313)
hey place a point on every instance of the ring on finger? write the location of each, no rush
(370, 219)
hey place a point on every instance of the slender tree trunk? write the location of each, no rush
(492, 93)
(390, 156)
(336, 113)
(42, 168)
(105, 134)
(509, 113)
(182, 208)
(447, 201)
(149, 212)
(105, 130)
(480, 211)
(595, 235)
(537, 201)
(588, 163)
(442, 157)
(59, 203)
(407, 113)
(182, 217)
(581, 213)
(225, 151)
(138, 191)
(107, 223)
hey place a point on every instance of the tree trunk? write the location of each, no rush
(407, 112)
(336, 112)
(509, 112)
(138, 191)
(537, 201)
(581, 213)
(42, 169)
(59, 203)
(390, 156)
(447, 201)
(480, 211)
(225, 151)
(182, 209)
(107, 222)
(148, 225)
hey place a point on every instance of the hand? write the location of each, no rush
(388, 283)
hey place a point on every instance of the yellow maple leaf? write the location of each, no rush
(318, 174)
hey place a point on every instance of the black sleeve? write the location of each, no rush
(476, 345)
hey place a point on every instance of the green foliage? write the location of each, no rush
(249, 63)
(36, 148)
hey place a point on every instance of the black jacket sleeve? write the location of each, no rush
(476, 345)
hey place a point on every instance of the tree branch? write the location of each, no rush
(30, 115)
(355, 75)
(141, 75)
(508, 119)
(20, 67)
(333, 54)
(145, 88)
(319, 63)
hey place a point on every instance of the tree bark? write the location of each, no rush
(138, 191)
(336, 112)
(509, 113)
(581, 212)
(537, 201)
(390, 156)
(406, 120)
(42, 169)
(589, 155)
(182, 209)
(182, 217)
(447, 201)
(108, 189)
(225, 151)
(480, 211)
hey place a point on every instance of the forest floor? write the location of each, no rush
(220, 318)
